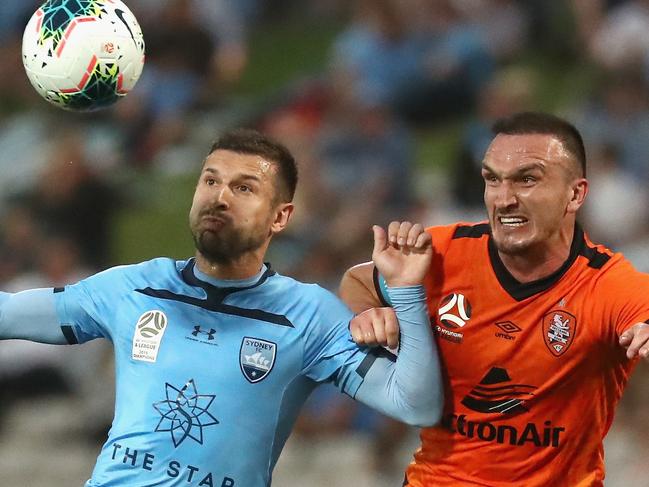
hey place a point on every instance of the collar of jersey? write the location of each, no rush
(219, 288)
(522, 290)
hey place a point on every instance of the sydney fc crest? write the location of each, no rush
(256, 358)
(559, 330)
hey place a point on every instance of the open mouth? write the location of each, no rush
(512, 221)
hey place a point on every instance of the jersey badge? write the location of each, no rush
(149, 330)
(454, 312)
(256, 358)
(559, 328)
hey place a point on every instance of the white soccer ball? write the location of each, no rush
(83, 54)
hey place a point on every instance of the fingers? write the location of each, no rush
(393, 232)
(423, 240)
(636, 341)
(376, 326)
(391, 329)
(380, 239)
(407, 234)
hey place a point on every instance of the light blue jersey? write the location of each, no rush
(211, 375)
(209, 379)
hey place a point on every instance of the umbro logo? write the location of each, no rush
(507, 330)
(496, 393)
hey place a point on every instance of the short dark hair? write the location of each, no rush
(545, 123)
(248, 141)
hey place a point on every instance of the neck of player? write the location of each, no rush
(540, 260)
(242, 267)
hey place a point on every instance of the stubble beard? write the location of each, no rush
(225, 248)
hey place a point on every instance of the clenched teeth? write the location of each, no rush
(512, 220)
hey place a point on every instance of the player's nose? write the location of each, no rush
(221, 197)
(506, 196)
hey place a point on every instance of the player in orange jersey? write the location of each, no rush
(531, 318)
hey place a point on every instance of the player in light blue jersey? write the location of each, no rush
(215, 355)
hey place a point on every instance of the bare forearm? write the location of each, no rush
(357, 288)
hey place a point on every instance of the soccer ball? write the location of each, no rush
(83, 54)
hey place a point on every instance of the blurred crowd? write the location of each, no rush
(405, 81)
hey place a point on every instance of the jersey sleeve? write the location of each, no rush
(406, 387)
(31, 315)
(330, 353)
(84, 309)
(626, 296)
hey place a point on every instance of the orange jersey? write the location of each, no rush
(533, 371)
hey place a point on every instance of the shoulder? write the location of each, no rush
(614, 276)
(299, 290)
(150, 270)
(307, 299)
(460, 233)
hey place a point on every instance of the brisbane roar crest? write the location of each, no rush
(559, 330)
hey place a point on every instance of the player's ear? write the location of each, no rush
(579, 190)
(283, 214)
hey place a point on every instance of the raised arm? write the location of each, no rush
(408, 387)
(31, 315)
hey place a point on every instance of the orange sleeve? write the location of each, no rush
(626, 296)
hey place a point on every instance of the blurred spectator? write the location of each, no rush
(71, 200)
(454, 63)
(617, 115)
(422, 58)
(621, 40)
(616, 209)
(377, 54)
(21, 242)
(509, 92)
(29, 369)
(503, 25)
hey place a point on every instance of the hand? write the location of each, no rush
(376, 326)
(404, 254)
(636, 341)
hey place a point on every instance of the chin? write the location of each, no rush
(510, 246)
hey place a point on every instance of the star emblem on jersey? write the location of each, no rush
(559, 328)
(497, 394)
(256, 358)
(185, 413)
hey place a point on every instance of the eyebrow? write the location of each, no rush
(519, 170)
(247, 177)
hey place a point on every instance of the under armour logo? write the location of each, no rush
(210, 334)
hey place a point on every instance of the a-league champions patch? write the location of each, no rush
(256, 358)
(149, 330)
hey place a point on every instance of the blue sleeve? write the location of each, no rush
(330, 353)
(31, 315)
(410, 387)
(86, 307)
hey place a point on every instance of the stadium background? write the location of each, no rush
(386, 104)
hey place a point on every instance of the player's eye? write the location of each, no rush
(528, 180)
(210, 181)
(244, 188)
